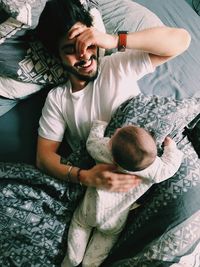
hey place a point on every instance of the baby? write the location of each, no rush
(100, 217)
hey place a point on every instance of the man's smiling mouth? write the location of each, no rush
(85, 65)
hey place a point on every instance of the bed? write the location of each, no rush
(36, 209)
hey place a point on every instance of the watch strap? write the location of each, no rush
(122, 40)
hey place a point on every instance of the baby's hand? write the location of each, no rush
(169, 141)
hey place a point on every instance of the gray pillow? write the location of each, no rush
(161, 115)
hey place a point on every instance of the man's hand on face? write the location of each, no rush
(103, 176)
(90, 37)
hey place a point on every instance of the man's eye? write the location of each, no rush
(91, 47)
(70, 50)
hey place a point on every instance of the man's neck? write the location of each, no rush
(77, 85)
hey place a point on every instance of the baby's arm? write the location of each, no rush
(97, 130)
(97, 144)
(170, 161)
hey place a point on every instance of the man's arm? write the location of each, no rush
(48, 160)
(162, 43)
(100, 176)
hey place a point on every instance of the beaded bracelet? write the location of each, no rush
(78, 175)
(69, 173)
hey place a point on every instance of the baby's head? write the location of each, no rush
(133, 148)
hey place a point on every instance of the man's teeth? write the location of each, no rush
(87, 64)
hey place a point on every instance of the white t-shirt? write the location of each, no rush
(75, 112)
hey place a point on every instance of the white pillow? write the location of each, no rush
(13, 89)
(99, 24)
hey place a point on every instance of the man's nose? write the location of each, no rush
(86, 56)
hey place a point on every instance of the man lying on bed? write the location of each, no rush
(96, 87)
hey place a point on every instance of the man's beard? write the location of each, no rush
(83, 77)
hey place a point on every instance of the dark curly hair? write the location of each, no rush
(57, 18)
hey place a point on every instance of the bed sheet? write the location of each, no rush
(180, 77)
(35, 209)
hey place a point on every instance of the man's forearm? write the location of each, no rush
(51, 164)
(162, 41)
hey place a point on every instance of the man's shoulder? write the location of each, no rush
(109, 62)
(58, 90)
(129, 56)
(109, 57)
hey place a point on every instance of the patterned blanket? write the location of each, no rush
(36, 209)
